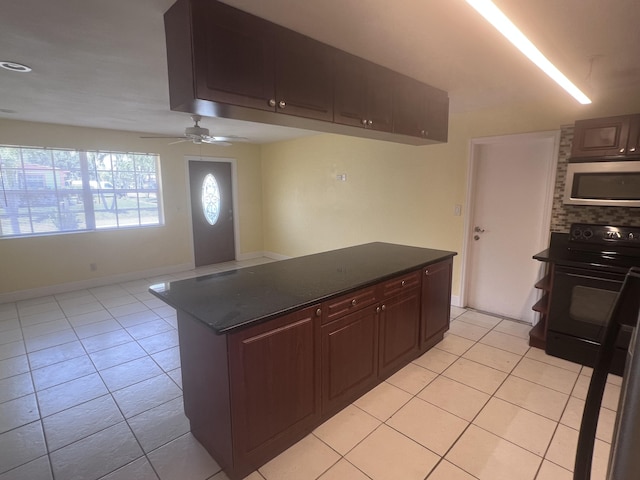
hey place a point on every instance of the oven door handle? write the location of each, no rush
(589, 274)
(624, 312)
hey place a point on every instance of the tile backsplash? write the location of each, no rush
(562, 216)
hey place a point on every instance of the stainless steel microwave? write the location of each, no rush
(609, 184)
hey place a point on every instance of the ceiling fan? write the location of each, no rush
(198, 135)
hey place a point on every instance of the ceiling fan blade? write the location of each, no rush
(173, 136)
(215, 141)
(178, 141)
(229, 138)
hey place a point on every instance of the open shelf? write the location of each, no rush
(542, 305)
(544, 283)
(537, 335)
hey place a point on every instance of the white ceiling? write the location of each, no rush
(102, 63)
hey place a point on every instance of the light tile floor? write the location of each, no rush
(90, 388)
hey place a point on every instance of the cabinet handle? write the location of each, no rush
(364, 122)
(622, 150)
(378, 310)
(632, 149)
(282, 104)
(353, 302)
(384, 307)
(318, 312)
(424, 133)
(403, 283)
(369, 122)
(272, 102)
(426, 272)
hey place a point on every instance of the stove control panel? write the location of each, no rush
(605, 234)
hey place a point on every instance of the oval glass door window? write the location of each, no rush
(210, 199)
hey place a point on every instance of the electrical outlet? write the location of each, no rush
(341, 177)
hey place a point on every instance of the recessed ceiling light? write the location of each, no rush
(14, 66)
(499, 20)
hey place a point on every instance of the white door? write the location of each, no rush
(511, 192)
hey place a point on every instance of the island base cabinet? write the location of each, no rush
(349, 358)
(399, 331)
(436, 303)
(205, 384)
(252, 393)
(275, 386)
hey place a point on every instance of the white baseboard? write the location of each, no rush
(455, 301)
(90, 283)
(276, 256)
(249, 256)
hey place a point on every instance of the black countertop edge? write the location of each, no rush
(543, 256)
(234, 299)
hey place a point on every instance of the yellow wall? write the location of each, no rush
(290, 202)
(393, 193)
(28, 263)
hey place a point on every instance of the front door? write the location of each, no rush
(512, 180)
(211, 212)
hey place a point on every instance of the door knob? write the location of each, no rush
(478, 230)
(476, 237)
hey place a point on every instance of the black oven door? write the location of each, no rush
(581, 301)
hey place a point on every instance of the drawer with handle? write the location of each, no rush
(337, 307)
(404, 282)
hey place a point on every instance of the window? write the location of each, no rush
(48, 191)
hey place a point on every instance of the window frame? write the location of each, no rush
(82, 191)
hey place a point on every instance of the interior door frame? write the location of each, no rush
(234, 188)
(552, 166)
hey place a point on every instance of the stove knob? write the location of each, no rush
(587, 234)
(632, 236)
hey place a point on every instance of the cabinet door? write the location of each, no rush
(399, 331)
(275, 383)
(436, 301)
(349, 358)
(420, 110)
(233, 56)
(600, 137)
(363, 93)
(379, 98)
(304, 76)
(633, 143)
(407, 106)
(435, 120)
(349, 107)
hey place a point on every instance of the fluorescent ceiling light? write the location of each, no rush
(499, 20)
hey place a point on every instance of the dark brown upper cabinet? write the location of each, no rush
(363, 93)
(223, 62)
(304, 76)
(233, 54)
(420, 110)
(612, 138)
(239, 59)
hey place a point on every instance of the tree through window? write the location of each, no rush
(47, 191)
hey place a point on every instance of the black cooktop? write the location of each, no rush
(601, 247)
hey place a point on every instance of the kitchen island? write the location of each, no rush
(270, 352)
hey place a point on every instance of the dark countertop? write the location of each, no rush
(232, 299)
